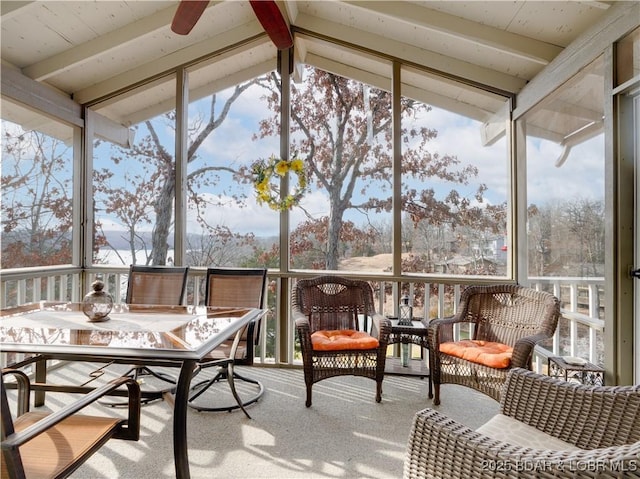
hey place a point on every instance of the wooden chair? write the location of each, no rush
(327, 305)
(159, 285)
(233, 287)
(501, 317)
(547, 427)
(43, 445)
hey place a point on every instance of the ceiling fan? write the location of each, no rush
(267, 12)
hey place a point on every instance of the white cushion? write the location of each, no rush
(506, 429)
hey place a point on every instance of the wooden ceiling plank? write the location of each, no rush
(41, 97)
(412, 54)
(126, 36)
(461, 29)
(621, 17)
(201, 92)
(9, 9)
(155, 67)
(384, 83)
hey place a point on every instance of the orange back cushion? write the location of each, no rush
(487, 353)
(341, 339)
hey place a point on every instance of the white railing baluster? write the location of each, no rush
(75, 288)
(381, 297)
(573, 298)
(573, 337)
(594, 301)
(51, 288)
(37, 289)
(64, 284)
(426, 313)
(441, 300)
(22, 291)
(593, 346)
(556, 289)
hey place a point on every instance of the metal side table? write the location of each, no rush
(587, 373)
(415, 333)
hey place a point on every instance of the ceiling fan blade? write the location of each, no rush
(270, 16)
(187, 15)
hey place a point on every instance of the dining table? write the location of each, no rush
(172, 336)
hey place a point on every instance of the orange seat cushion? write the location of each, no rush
(336, 340)
(487, 353)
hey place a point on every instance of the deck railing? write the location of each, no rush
(581, 329)
(580, 332)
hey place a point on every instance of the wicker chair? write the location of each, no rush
(335, 303)
(599, 424)
(509, 315)
(43, 445)
(241, 287)
(154, 285)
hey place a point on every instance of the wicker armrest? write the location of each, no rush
(440, 330)
(296, 315)
(587, 416)
(129, 431)
(523, 350)
(302, 322)
(303, 328)
(441, 447)
(381, 328)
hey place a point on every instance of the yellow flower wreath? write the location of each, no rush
(263, 172)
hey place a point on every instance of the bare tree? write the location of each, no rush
(566, 238)
(222, 247)
(343, 128)
(152, 200)
(36, 200)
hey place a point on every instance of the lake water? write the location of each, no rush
(125, 258)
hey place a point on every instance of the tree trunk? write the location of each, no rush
(164, 211)
(333, 237)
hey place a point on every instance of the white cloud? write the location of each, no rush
(231, 142)
(257, 219)
(461, 137)
(581, 175)
(109, 224)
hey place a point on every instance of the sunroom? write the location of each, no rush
(444, 144)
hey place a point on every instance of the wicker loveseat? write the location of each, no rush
(580, 431)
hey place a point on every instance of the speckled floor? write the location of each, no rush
(344, 434)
